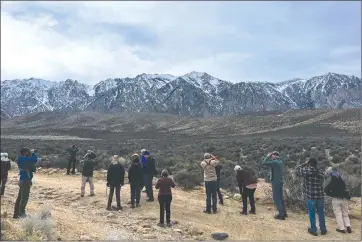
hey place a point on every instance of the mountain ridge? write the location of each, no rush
(192, 94)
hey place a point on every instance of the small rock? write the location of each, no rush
(237, 197)
(177, 230)
(195, 231)
(110, 215)
(85, 238)
(146, 230)
(174, 222)
(146, 226)
(269, 208)
(150, 236)
(226, 197)
(59, 239)
(219, 236)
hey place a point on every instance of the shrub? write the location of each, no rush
(188, 179)
(39, 225)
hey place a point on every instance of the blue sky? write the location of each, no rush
(236, 41)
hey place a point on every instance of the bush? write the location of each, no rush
(39, 225)
(188, 179)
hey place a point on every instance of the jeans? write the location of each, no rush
(277, 188)
(165, 204)
(147, 180)
(22, 199)
(3, 183)
(219, 194)
(135, 194)
(86, 179)
(248, 193)
(211, 195)
(113, 189)
(71, 162)
(312, 211)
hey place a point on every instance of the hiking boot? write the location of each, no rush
(109, 208)
(81, 195)
(137, 205)
(207, 212)
(169, 225)
(285, 215)
(221, 202)
(160, 225)
(16, 217)
(150, 200)
(119, 208)
(279, 217)
(243, 213)
(92, 195)
(214, 212)
(133, 206)
(312, 233)
(252, 212)
(324, 232)
(349, 230)
(341, 231)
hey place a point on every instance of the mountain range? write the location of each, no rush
(195, 94)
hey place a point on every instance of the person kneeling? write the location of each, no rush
(164, 184)
(115, 180)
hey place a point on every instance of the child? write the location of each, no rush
(164, 184)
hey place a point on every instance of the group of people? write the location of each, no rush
(142, 170)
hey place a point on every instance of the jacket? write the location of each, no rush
(337, 188)
(150, 169)
(5, 167)
(164, 184)
(115, 174)
(72, 152)
(209, 169)
(246, 177)
(313, 179)
(88, 164)
(26, 166)
(135, 174)
(276, 168)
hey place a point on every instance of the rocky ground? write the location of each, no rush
(77, 218)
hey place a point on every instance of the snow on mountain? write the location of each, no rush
(193, 94)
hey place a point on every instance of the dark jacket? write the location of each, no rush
(115, 174)
(165, 184)
(5, 167)
(246, 177)
(72, 152)
(151, 166)
(218, 169)
(135, 174)
(336, 188)
(89, 164)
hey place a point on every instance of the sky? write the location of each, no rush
(234, 41)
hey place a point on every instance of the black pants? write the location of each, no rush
(135, 193)
(71, 162)
(113, 189)
(147, 180)
(3, 183)
(248, 193)
(211, 195)
(165, 204)
(219, 194)
(22, 199)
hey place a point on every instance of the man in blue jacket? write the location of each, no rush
(26, 162)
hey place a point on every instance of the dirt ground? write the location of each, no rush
(75, 217)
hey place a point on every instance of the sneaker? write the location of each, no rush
(324, 232)
(252, 212)
(285, 215)
(341, 231)
(207, 212)
(92, 195)
(349, 230)
(243, 213)
(160, 225)
(119, 208)
(221, 202)
(312, 233)
(279, 217)
(169, 225)
(109, 209)
(133, 206)
(138, 205)
(150, 200)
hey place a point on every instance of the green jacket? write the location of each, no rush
(276, 167)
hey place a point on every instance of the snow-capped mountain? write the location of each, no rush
(193, 94)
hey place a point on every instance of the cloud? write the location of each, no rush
(254, 41)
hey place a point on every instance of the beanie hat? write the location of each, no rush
(276, 153)
(164, 173)
(146, 153)
(134, 156)
(237, 168)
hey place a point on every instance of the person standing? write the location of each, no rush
(144, 160)
(115, 181)
(313, 179)
(208, 164)
(5, 167)
(135, 177)
(276, 165)
(218, 170)
(72, 153)
(164, 184)
(149, 171)
(337, 189)
(247, 182)
(87, 172)
(26, 162)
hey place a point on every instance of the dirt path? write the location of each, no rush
(74, 216)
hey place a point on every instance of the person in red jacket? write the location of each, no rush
(164, 184)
